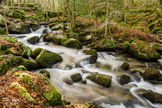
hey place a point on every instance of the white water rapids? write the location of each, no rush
(117, 96)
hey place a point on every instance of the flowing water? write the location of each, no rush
(108, 63)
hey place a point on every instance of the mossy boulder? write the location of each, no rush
(33, 40)
(45, 73)
(19, 28)
(47, 37)
(8, 61)
(123, 79)
(153, 97)
(100, 79)
(150, 74)
(93, 54)
(25, 77)
(125, 66)
(53, 96)
(24, 93)
(73, 43)
(76, 77)
(142, 51)
(30, 64)
(36, 52)
(57, 39)
(63, 40)
(48, 59)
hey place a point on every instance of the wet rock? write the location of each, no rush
(84, 81)
(57, 39)
(73, 43)
(30, 64)
(69, 81)
(125, 66)
(153, 97)
(47, 58)
(48, 37)
(93, 54)
(36, 52)
(35, 27)
(76, 77)
(33, 40)
(150, 74)
(100, 79)
(142, 51)
(45, 73)
(123, 79)
(45, 31)
(20, 28)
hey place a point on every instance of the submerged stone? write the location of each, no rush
(33, 40)
(93, 54)
(125, 66)
(151, 74)
(123, 79)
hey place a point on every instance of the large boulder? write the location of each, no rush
(57, 39)
(36, 52)
(33, 40)
(93, 54)
(153, 97)
(20, 28)
(100, 79)
(73, 43)
(142, 51)
(30, 64)
(123, 79)
(150, 74)
(48, 59)
(76, 77)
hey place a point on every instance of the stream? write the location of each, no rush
(108, 63)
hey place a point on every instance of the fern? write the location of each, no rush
(26, 50)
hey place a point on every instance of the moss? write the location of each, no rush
(76, 77)
(63, 40)
(19, 68)
(8, 62)
(53, 96)
(47, 58)
(156, 30)
(24, 93)
(57, 39)
(73, 43)
(25, 77)
(30, 64)
(47, 37)
(57, 27)
(151, 74)
(123, 79)
(100, 79)
(103, 80)
(36, 52)
(142, 51)
(45, 73)
(125, 66)
(84, 81)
